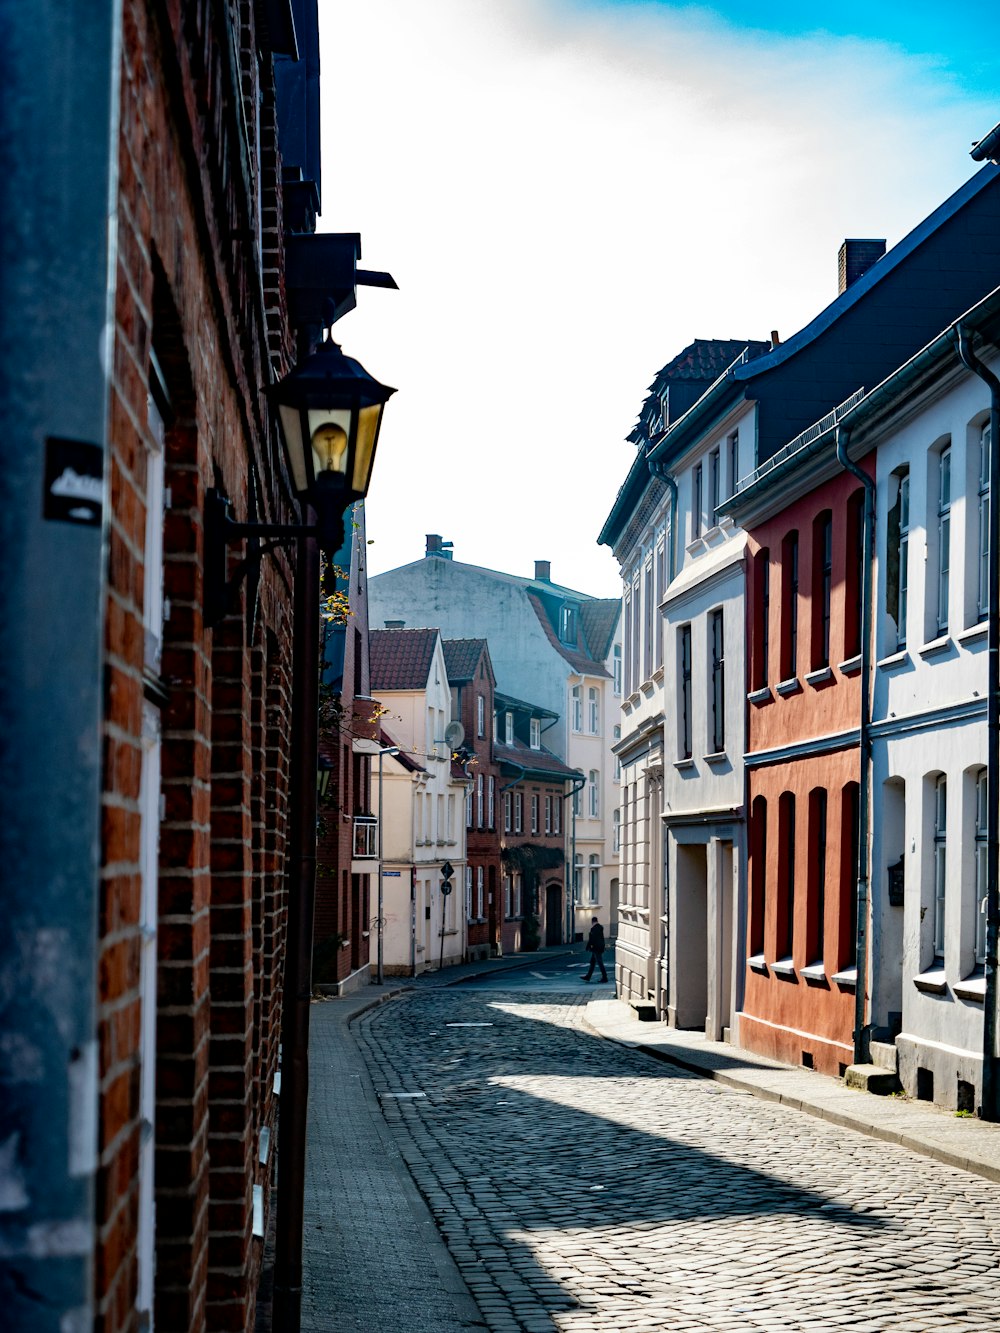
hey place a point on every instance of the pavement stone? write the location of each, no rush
(585, 1187)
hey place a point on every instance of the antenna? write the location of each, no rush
(454, 735)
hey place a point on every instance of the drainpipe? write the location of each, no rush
(571, 877)
(862, 1029)
(989, 1109)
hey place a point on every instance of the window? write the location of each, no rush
(850, 845)
(758, 874)
(577, 707)
(790, 606)
(983, 545)
(480, 715)
(450, 827)
(593, 711)
(661, 557)
(508, 898)
(616, 831)
(647, 622)
(761, 617)
(594, 878)
(696, 502)
(517, 894)
(567, 624)
(548, 814)
(491, 821)
(817, 876)
(940, 861)
(786, 874)
(627, 639)
(636, 636)
(981, 863)
(684, 694)
(479, 800)
(898, 553)
(518, 812)
(854, 572)
(616, 667)
(507, 812)
(822, 576)
(593, 793)
(618, 762)
(508, 728)
(718, 683)
(944, 537)
(557, 815)
(535, 733)
(534, 813)
(480, 904)
(577, 876)
(468, 807)
(714, 496)
(468, 893)
(577, 801)
(733, 450)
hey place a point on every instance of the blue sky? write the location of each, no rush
(568, 192)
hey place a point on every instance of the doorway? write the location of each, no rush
(553, 914)
(690, 943)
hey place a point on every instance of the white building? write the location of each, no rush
(423, 813)
(552, 645)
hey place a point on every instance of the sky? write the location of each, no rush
(569, 191)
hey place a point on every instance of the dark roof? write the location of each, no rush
(542, 763)
(599, 618)
(401, 658)
(407, 761)
(700, 363)
(579, 656)
(507, 701)
(461, 657)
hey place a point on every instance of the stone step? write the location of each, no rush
(885, 1055)
(872, 1078)
(645, 1012)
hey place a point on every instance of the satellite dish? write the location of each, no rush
(454, 735)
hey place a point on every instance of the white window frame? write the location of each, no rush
(508, 728)
(983, 548)
(940, 862)
(557, 814)
(981, 853)
(576, 697)
(480, 715)
(508, 816)
(535, 733)
(468, 893)
(617, 734)
(480, 905)
(593, 710)
(594, 878)
(616, 668)
(518, 812)
(902, 599)
(479, 800)
(594, 793)
(492, 803)
(616, 831)
(534, 812)
(944, 538)
(548, 813)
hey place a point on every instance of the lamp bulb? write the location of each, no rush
(329, 443)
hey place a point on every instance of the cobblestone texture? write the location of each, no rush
(581, 1186)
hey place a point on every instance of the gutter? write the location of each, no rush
(989, 1108)
(862, 1028)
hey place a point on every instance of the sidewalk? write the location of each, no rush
(372, 1256)
(967, 1143)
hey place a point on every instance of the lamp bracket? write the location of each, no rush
(221, 531)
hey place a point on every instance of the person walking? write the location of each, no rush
(595, 944)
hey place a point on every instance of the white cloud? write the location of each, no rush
(566, 197)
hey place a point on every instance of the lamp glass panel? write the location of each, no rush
(295, 447)
(368, 419)
(327, 416)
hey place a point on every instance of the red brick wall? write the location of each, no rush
(187, 282)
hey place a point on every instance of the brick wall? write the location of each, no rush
(188, 287)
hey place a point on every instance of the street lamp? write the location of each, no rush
(324, 767)
(330, 410)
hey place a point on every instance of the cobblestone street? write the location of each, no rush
(583, 1186)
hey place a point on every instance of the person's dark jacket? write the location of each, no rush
(595, 940)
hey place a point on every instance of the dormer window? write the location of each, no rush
(567, 624)
(508, 720)
(535, 730)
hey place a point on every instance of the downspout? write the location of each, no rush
(989, 1110)
(658, 470)
(862, 1029)
(571, 876)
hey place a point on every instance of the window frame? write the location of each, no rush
(940, 863)
(685, 728)
(717, 680)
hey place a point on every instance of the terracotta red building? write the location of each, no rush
(473, 685)
(534, 824)
(804, 517)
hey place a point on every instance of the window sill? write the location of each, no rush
(757, 963)
(821, 676)
(791, 686)
(657, 676)
(783, 967)
(932, 982)
(972, 987)
(847, 978)
(851, 667)
(761, 696)
(977, 634)
(895, 661)
(716, 758)
(937, 647)
(814, 974)
(682, 765)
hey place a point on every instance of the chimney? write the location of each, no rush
(435, 546)
(543, 571)
(855, 259)
(395, 624)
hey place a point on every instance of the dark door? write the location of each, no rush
(357, 924)
(553, 914)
